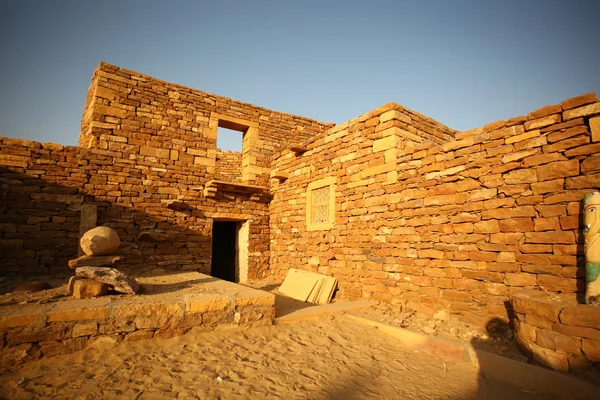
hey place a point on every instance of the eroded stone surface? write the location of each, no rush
(581, 315)
(182, 303)
(87, 288)
(96, 261)
(79, 310)
(529, 302)
(115, 278)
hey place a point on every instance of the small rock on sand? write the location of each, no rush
(86, 288)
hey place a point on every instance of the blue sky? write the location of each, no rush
(462, 62)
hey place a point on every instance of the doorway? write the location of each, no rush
(230, 250)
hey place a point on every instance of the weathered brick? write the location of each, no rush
(547, 110)
(542, 122)
(516, 225)
(522, 136)
(579, 101)
(591, 348)
(490, 226)
(590, 164)
(584, 111)
(526, 332)
(595, 129)
(559, 169)
(557, 284)
(554, 210)
(532, 302)
(552, 186)
(571, 144)
(538, 322)
(577, 331)
(536, 248)
(558, 341)
(581, 315)
(574, 131)
(32, 335)
(520, 176)
(591, 181)
(520, 279)
(555, 360)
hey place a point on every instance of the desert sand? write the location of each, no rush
(327, 358)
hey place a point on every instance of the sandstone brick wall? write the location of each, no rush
(48, 183)
(228, 166)
(157, 121)
(556, 332)
(144, 144)
(458, 225)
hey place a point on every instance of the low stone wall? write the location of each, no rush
(39, 330)
(556, 331)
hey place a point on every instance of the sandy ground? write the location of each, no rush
(326, 358)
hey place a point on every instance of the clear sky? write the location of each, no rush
(462, 62)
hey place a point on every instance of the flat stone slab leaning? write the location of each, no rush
(118, 280)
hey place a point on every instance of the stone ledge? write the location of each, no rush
(183, 303)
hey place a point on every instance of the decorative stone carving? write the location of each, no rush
(591, 230)
(100, 241)
(320, 199)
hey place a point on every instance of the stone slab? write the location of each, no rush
(80, 310)
(317, 311)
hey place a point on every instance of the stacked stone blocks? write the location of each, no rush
(557, 332)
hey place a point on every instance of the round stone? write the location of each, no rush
(100, 241)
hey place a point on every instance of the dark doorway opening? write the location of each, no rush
(224, 250)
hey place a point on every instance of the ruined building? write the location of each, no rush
(398, 207)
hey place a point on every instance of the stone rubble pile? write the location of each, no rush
(94, 272)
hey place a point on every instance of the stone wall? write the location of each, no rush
(147, 149)
(556, 332)
(453, 227)
(438, 220)
(153, 120)
(229, 166)
(48, 183)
